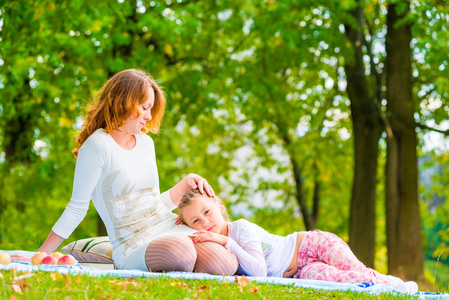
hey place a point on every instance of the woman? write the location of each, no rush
(116, 168)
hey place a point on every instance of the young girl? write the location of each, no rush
(306, 255)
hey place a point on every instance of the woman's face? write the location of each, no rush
(135, 123)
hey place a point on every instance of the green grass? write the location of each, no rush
(437, 273)
(43, 285)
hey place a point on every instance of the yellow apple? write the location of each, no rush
(37, 258)
(57, 255)
(4, 258)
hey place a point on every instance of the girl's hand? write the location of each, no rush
(195, 181)
(207, 236)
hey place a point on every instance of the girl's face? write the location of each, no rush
(135, 123)
(205, 214)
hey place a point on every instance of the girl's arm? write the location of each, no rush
(250, 256)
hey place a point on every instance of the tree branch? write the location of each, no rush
(425, 127)
(377, 73)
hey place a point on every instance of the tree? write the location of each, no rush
(367, 128)
(290, 97)
(405, 255)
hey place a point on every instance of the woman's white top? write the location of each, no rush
(124, 187)
(259, 252)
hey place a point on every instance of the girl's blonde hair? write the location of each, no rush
(191, 195)
(119, 97)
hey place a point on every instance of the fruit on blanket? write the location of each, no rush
(37, 258)
(67, 260)
(49, 260)
(4, 258)
(57, 255)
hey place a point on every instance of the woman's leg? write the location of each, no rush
(213, 258)
(171, 253)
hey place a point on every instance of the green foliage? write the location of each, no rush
(436, 216)
(273, 220)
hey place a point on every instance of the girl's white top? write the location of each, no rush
(124, 187)
(259, 252)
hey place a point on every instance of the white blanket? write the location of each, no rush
(302, 283)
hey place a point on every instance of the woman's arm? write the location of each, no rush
(51, 243)
(88, 170)
(191, 181)
(49, 246)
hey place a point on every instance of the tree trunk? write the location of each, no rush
(367, 127)
(17, 140)
(309, 220)
(18, 132)
(316, 195)
(404, 244)
(306, 216)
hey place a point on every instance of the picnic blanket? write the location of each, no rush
(300, 283)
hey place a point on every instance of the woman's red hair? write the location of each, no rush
(120, 96)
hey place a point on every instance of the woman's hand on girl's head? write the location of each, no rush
(195, 181)
(207, 236)
(191, 181)
(178, 221)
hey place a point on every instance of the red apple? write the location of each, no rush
(67, 260)
(4, 258)
(37, 258)
(49, 260)
(57, 255)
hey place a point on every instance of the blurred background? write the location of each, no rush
(303, 115)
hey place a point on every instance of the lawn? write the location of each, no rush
(44, 285)
(438, 274)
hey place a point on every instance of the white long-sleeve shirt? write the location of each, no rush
(259, 252)
(124, 187)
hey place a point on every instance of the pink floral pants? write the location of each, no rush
(325, 256)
